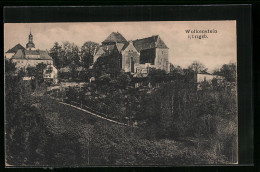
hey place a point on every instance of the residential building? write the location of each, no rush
(50, 73)
(29, 56)
(202, 77)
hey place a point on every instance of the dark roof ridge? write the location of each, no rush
(149, 42)
(15, 48)
(146, 37)
(115, 37)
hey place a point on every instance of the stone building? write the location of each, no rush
(135, 56)
(29, 56)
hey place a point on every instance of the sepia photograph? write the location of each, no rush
(147, 93)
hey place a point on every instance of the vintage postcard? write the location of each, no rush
(85, 94)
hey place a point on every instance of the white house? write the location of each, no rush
(50, 73)
(201, 78)
(207, 77)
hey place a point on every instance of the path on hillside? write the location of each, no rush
(93, 114)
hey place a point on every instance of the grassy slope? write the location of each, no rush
(98, 142)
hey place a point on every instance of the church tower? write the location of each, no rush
(30, 45)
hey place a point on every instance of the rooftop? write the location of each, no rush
(15, 48)
(149, 42)
(26, 54)
(115, 37)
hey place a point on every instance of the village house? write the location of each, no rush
(206, 77)
(50, 73)
(202, 77)
(136, 56)
(30, 56)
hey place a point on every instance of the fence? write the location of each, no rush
(92, 112)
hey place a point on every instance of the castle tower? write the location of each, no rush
(30, 45)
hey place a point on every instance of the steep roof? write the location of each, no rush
(115, 37)
(44, 55)
(125, 46)
(21, 54)
(120, 46)
(149, 42)
(15, 48)
(161, 44)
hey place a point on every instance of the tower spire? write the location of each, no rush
(30, 43)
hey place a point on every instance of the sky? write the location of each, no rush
(214, 51)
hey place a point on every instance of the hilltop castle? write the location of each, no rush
(135, 56)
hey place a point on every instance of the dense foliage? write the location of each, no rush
(228, 71)
(177, 124)
(69, 54)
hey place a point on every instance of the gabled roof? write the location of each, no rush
(125, 46)
(160, 43)
(99, 51)
(120, 46)
(15, 48)
(44, 55)
(115, 37)
(149, 42)
(21, 54)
